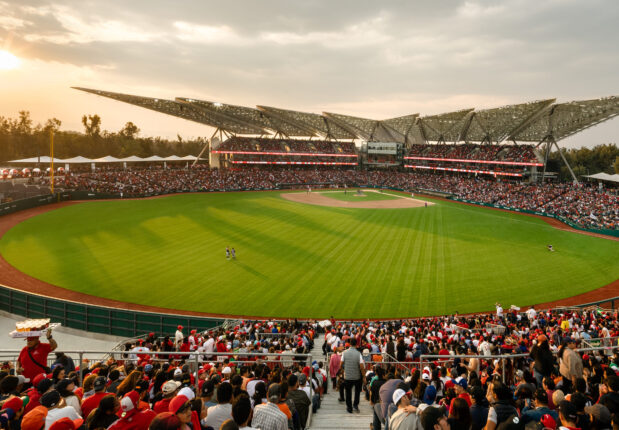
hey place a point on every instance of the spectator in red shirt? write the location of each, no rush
(33, 357)
(91, 403)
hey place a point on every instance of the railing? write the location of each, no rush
(195, 360)
(443, 359)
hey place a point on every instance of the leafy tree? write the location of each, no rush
(92, 125)
(130, 130)
(24, 123)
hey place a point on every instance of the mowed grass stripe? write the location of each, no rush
(306, 261)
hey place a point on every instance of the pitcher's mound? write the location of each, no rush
(320, 199)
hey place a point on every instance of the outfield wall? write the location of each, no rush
(98, 319)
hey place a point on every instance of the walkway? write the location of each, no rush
(332, 414)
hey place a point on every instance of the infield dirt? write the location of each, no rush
(321, 199)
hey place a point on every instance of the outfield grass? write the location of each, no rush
(297, 260)
(352, 196)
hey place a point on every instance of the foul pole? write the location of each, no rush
(51, 158)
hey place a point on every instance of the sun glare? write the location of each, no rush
(8, 61)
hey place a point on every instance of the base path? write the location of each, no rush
(320, 199)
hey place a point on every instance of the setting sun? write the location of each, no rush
(8, 61)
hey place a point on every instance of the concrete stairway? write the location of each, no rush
(332, 414)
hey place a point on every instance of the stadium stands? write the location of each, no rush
(527, 361)
(243, 150)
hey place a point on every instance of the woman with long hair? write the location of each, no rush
(129, 383)
(460, 415)
(104, 415)
(65, 387)
(260, 395)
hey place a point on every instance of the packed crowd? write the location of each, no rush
(285, 146)
(582, 204)
(553, 382)
(253, 374)
(522, 153)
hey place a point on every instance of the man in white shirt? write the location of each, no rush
(178, 337)
(216, 415)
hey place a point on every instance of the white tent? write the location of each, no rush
(153, 158)
(77, 160)
(605, 177)
(33, 160)
(107, 159)
(132, 159)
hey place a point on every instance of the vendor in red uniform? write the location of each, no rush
(33, 357)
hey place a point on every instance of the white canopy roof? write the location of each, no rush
(107, 159)
(605, 177)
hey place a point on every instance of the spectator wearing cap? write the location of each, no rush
(434, 419)
(165, 421)
(541, 408)
(267, 416)
(65, 387)
(43, 385)
(544, 360)
(92, 402)
(216, 415)
(570, 364)
(168, 390)
(500, 399)
(12, 411)
(56, 409)
(181, 407)
(132, 418)
(568, 416)
(460, 386)
(405, 417)
(178, 337)
(67, 424)
(115, 381)
(301, 402)
(599, 416)
(32, 359)
(105, 414)
(206, 393)
(34, 419)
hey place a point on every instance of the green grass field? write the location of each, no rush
(297, 260)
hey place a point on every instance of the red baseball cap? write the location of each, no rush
(67, 424)
(177, 403)
(548, 422)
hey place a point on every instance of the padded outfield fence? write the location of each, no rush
(98, 319)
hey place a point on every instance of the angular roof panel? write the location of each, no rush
(318, 124)
(363, 128)
(445, 126)
(494, 125)
(565, 119)
(401, 124)
(180, 110)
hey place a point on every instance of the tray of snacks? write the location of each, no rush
(32, 328)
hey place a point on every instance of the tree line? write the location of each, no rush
(20, 138)
(585, 161)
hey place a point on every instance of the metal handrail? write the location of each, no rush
(196, 358)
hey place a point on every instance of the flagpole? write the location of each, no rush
(51, 155)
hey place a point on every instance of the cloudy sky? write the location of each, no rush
(366, 58)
